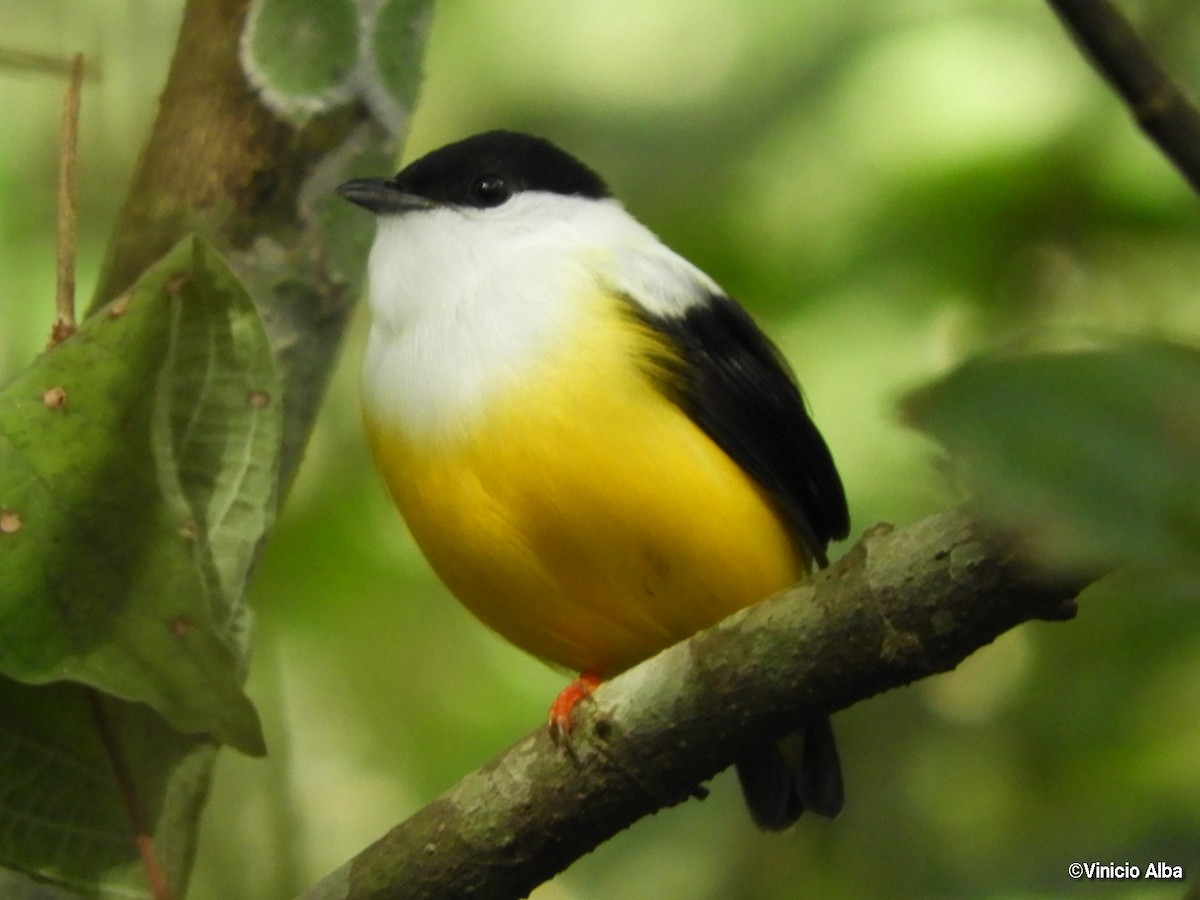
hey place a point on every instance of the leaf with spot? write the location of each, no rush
(138, 478)
(138, 468)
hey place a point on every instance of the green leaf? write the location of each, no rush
(137, 479)
(1091, 457)
(63, 814)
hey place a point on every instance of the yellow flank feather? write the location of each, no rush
(584, 516)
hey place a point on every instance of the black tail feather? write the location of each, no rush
(781, 781)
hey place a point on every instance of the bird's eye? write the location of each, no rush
(490, 190)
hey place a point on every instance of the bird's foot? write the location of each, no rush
(560, 710)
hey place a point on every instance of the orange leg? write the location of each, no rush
(560, 710)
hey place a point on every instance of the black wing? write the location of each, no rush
(735, 384)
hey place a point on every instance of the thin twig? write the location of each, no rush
(29, 61)
(160, 889)
(1160, 106)
(68, 206)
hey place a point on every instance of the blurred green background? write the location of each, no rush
(889, 188)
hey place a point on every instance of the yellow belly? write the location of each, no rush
(584, 516)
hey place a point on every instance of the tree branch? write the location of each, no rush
(221, 164)
(1159, 105)
(901, 605)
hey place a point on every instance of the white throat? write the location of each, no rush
(465, 301)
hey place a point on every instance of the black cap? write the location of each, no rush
(479, 171)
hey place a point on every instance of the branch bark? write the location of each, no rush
(1160, 106)
(221, 164)
(901, 605)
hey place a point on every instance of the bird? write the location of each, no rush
(597, 450)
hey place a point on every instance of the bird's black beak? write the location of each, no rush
(380, 195)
